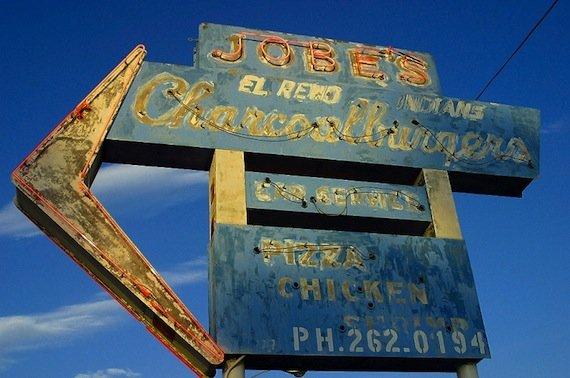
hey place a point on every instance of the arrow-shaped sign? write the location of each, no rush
(53, 191)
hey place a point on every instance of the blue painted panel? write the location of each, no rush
(183, 106)
(296, 292)
(216, 37)
(336, 197)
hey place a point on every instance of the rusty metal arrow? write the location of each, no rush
(53, 191)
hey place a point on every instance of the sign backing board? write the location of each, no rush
(311, 58)
(180, 106)
(321, 295)
(331, 197)
(310, 202)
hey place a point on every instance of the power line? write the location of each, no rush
(529, 34)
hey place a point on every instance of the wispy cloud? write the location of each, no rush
(108, 373)
(188, 272)
(21, 333)
(15, 224)
(554, 127)
(128, 185)
(130, 181)
(6, 362)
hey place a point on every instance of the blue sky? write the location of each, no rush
(56, 322)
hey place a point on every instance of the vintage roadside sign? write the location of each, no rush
(368, 298)
(302, 136)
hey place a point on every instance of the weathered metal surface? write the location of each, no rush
(181, 106)
(445, 221)
(331, 197)
(292, 298)
(227, 189)
(305, 58)
(326, 294)
(53, 190)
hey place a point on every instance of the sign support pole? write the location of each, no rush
(227, 206)
(234, 368)
(467, 371)
(227, 189)
(445, 225)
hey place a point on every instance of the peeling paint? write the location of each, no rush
(276, 291)
(53, 193)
